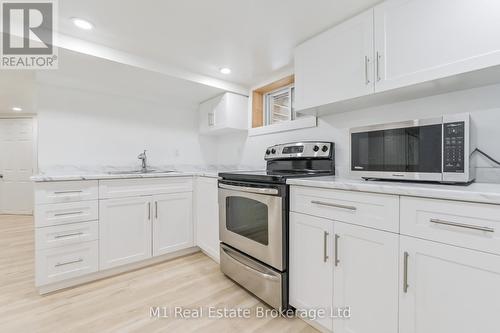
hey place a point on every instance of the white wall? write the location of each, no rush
(85, 128)
(483, 103)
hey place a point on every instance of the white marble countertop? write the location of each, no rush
(476, 192)
(75, 173)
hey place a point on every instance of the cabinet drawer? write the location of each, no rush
(377, 211)
(63, 213)
(61, 263)
(66, 234)
(72, 191)
(464, 224)
(122, 188)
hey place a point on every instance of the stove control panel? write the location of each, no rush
(300, 150)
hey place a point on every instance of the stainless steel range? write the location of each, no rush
(253, 217)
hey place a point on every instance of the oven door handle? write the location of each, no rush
(247, 267)
(255, 190)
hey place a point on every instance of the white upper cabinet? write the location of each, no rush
(423, 40)
(336, 65)
(172, 222)
(447, 289)
(366, 279)
(224, 114)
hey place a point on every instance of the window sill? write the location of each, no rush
(305, 122)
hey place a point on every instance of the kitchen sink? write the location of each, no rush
(137, 172)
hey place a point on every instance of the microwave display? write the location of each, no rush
(411, 149)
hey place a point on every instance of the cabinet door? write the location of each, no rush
(172, 223)
(311, 265)
(422, 40)
(448, 289)
(207, 216)
(124, 231)
(336, 65)
(366, 279)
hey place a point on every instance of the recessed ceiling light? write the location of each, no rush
(225, 70)
(17, 108)
(82, 24)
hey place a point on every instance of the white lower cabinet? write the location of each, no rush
(447, 289)
(124, 231)
(311, 265)
(365, 279)
(172, 222)
(207, 215)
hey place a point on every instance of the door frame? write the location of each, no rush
(34, 119)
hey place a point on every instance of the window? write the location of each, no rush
(278, 106)
(273, 109)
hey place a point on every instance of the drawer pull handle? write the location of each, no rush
(66, 214)
(461, 225)
(59, 264)
(68, 192)
(405, 272)
(321, 203)
(69, 235)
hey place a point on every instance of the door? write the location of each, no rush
(311, 265)
(172, 222)
(447, 289)
(423, 40)
(16, 166)
(366, 279)
(207, 216)
(336, 65)
(124, 231)
(251, 220)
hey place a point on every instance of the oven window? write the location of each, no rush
(247, 218)
(413, 149)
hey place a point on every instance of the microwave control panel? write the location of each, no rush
(454, 147)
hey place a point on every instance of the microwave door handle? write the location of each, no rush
(255, 190)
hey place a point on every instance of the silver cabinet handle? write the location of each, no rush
(211, 119)
(68, 262)
(461, 225)
(66, 214)
(149, 211)
(325, 246)
(156, 209)
(367, 61)
(329, 204)
(249, 189)
(337, 260)
(68, 192)
(69, 235)
(405, 272)
(378, 66)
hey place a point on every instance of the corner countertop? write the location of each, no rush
(73, 173)
(488, 193)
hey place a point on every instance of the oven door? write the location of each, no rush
(251, 220)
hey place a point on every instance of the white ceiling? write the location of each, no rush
(255, 38)
(92, 74)
(17, 89)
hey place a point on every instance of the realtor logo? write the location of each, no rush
(28, 34)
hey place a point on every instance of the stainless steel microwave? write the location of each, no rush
(436, 149)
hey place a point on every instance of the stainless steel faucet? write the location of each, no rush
(142, 156)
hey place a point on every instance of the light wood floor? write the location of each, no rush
(121, 303)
